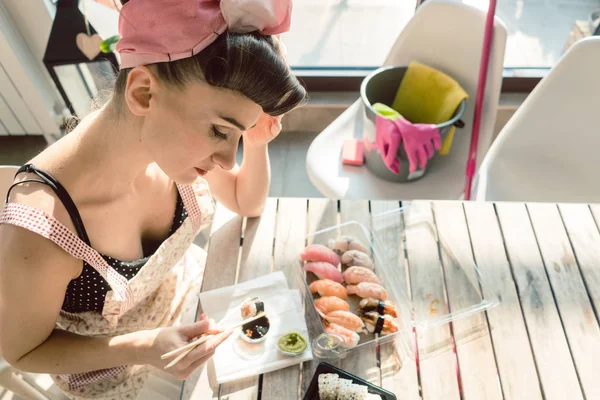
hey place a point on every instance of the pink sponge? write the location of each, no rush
(352, 152)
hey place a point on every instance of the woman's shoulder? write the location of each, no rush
(23, 233)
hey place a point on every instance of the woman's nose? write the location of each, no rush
(226, 158)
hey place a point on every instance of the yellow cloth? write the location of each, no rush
(429, 96)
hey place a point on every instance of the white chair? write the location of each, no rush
(549, 151)
(21, 384)
(443, 34)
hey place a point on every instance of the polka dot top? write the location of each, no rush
(88, 291)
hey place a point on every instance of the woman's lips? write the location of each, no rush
(200, 172)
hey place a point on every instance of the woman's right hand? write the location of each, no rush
(157, 342)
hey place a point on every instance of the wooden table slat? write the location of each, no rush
(548, 340)
(289, 242)
(579, 321)
(322, 214)
(516, 366)
(398, 375)
(220, 270)
(361, 362)
(476, 360)
(255, 261)
(437, 362)
(585, 238)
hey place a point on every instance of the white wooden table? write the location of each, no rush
(542, 341)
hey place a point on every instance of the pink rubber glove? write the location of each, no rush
(387, 141)
(419, 142)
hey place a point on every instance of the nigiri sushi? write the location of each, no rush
(382, 307)
(324, 270)
(368, 289)
(346, 243)
(327, 287)
(355, 258)
(344, 318)
(348, 338)
(318, 252)
(355, 275)
(376, 323)
(328, 304)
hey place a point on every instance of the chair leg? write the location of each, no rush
(11, 381)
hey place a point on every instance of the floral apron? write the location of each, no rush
(162, 293)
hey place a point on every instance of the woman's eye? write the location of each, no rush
(218, 135)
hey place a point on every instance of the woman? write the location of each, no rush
(96, 264)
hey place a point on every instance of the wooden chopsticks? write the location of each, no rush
(185, 350)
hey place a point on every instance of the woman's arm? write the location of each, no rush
(245, 188)
(34, 274)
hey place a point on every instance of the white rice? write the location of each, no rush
(328, 386)
(372, 396)
(353, 392)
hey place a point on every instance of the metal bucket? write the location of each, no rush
(381, 86)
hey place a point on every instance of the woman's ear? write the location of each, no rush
(141, 86)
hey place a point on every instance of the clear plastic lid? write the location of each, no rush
(429, 251)
(423, 258)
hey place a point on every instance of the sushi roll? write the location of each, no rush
(256, 331)
(328, 386)
(354, 392)
(343, 388)
(252, 307)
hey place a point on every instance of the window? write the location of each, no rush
(345, 33)
(539, 31)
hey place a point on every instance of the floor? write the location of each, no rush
(287, 154)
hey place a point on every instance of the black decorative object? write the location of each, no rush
(70, 37)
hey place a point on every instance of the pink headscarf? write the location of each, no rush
(166, 30)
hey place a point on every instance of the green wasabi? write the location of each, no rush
(293, 343)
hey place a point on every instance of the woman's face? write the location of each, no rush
(190, 131)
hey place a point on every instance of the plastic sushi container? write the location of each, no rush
(396, 241)
(312, 393)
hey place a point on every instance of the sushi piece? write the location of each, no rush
(328, 304)
(251, 307)
(356, 258)
(328, 386)
(376, 323)
(348, 338)
(355, 275)
(256, 331)
(344, 385)
(324, 270)
(367, 289)
(318, 252)
(381, 307)
(352, 391)
(327, 287)
(346, 319)
(371, 396)
(346, 243)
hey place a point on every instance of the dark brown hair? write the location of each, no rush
(250, 64)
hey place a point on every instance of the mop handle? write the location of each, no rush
(483, 69)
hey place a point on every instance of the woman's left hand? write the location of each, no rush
(267, 128)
